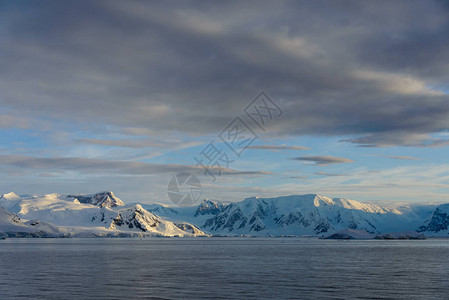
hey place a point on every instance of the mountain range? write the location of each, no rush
(105, 215)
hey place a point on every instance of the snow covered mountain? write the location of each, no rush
(104, 199)
(9, 221)
(299, 215)
(100, 214)
(438, 222)
(104, 214)
(12, 226)
(307, 214)
(209, 207)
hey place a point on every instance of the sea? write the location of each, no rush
(223, 268)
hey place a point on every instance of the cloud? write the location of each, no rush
(7, 121)
(132, 143)
(371, 78)
(277, 147)
(397, 83)
(398, 138)
(89, 166)
(323, 160)
(298, 177)
(402, 157)
(435, 143)
(328, 174)
(420, 184)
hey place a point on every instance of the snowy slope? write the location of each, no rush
(12, 226)
(9, 221)
(97, 215)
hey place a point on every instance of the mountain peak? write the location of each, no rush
(209, 207)
(10, 196)
(103, 199)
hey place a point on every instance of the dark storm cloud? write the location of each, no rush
(374, 73)
(323, 160)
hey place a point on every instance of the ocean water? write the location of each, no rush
(223, 268)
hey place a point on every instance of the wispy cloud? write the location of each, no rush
(404, 184)
(298, 177)
(133, 143)
(88, 166)
(277, 147)
(328, 174)
(323, 160)
(402, 157)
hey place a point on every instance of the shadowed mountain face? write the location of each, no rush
(438, 221)
(104, 214)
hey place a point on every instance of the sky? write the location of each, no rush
(256, 98)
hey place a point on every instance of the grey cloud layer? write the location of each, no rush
(367, 71)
